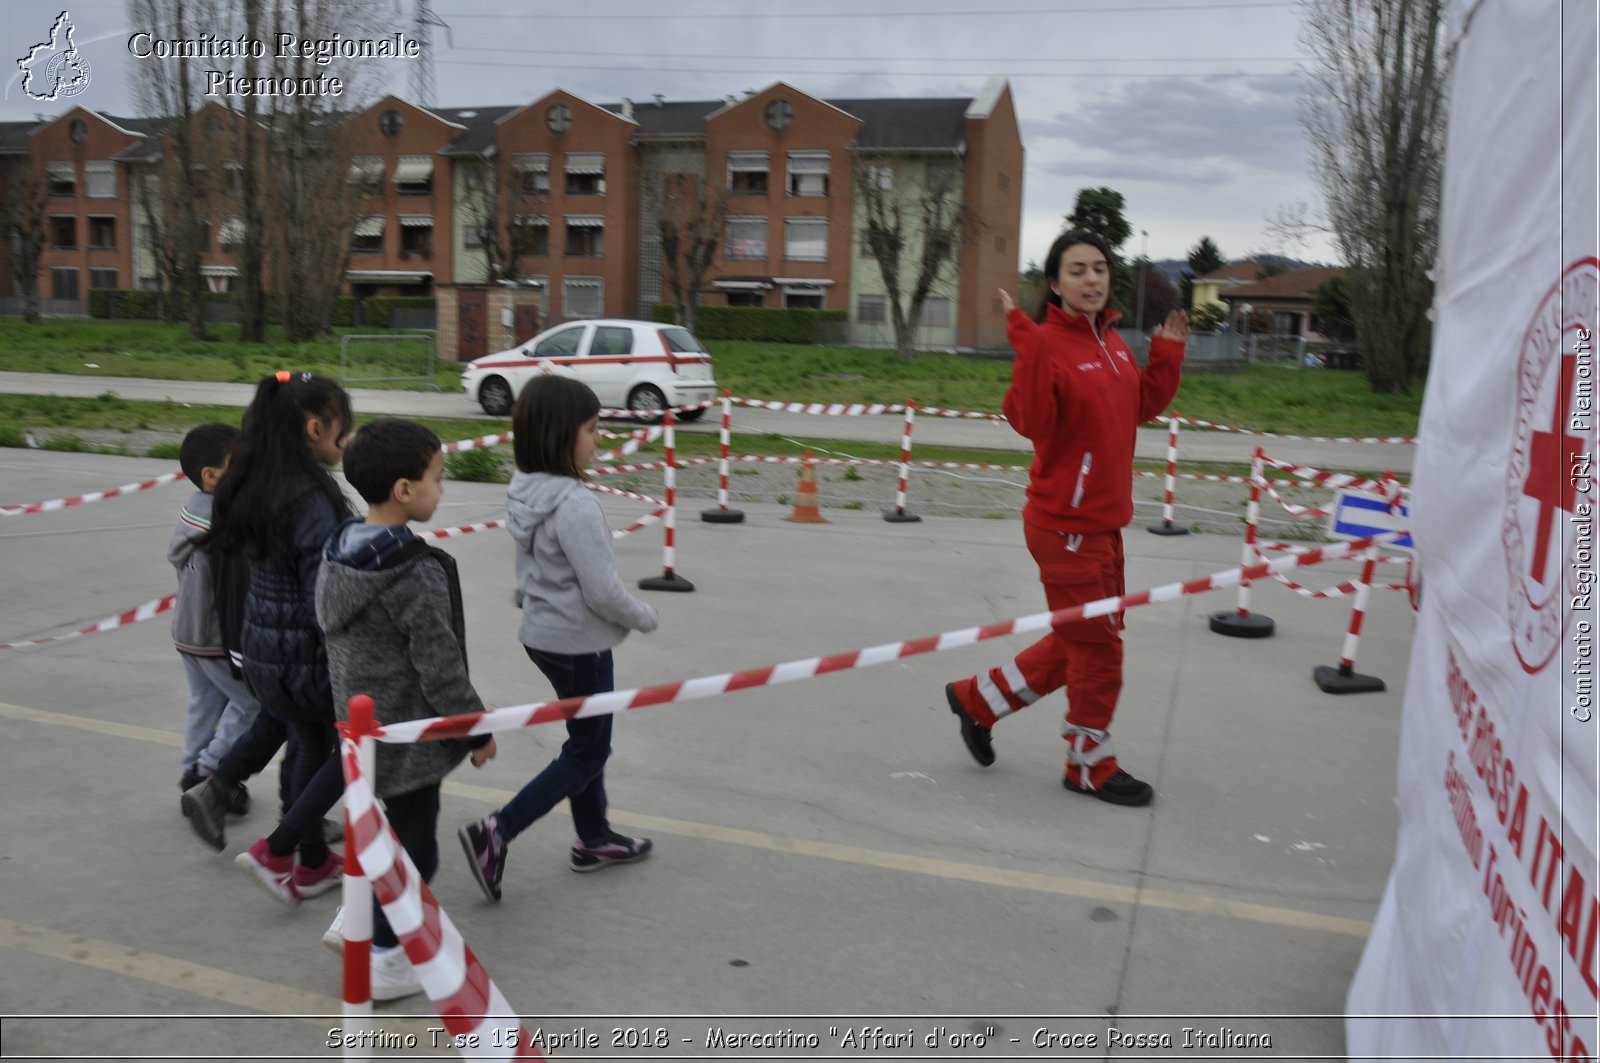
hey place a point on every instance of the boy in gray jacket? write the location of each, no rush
(221, 706)
(390, 609)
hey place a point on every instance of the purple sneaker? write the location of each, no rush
(614, 848)
(486, 854)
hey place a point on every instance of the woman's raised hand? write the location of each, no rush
(1006, 302)
(1175, 327)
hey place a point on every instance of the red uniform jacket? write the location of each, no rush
(1078, 394)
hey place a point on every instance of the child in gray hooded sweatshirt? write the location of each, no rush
(574, 610)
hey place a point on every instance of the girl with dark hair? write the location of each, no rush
(574, 610)
(275, 508)
(1078, 394)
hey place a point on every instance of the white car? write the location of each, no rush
(641, 366)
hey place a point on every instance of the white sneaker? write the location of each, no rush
(333, 937)
(393, 977)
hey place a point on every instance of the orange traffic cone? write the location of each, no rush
(805, 503)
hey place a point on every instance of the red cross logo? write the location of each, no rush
(1551, 458)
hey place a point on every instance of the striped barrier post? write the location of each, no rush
(669, 580)
(356, 893)
(722, 514)
(1345, 679)
(1241, 623)
(898, 515)
(1166, 527)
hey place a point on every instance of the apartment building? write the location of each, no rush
(565, 195)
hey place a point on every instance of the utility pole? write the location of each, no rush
(422, 23)
(1144, 264)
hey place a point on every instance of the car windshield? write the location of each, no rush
(679, 341)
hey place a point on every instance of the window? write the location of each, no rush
(746, 298)
(586, 173)
(62, 177)
(935, 313)
(868, 247)
(1005, 182)
(416, 235)
(681, 341)
(582, 297)
(563, 344)
(531, 170)
(532, 235)
(808, 173)
(609, 340)
(872, 309)
(413, 175)
(941, 177)
(150, 284)
(231, 235)
(367, 236)
(367, 171)
(1286, 324)
(63, 231)
(102, 278)
(879, 178)
(747, 172)
(585, 236)
(747, 238)
(100, 180)
(63, 283)
(102, 232)
(476, 237)
(802, 300)
(805, 239)
(1000, 244)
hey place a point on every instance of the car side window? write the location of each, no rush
(611, 340)
(563, 344)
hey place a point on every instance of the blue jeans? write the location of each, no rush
(578, 772)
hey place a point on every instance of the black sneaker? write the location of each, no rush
(239, 801)
(485, 855)
(190, 779)
(1120, 789)
(976, 738)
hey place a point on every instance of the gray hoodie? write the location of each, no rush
(390, 607)
(195, 628)
(572, 599)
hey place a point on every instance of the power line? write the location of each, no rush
(940, 71)
(847, 15)
(526, 52)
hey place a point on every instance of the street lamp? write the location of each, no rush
(1144, 261)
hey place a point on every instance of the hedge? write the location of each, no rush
(133, 304)
(771, 325)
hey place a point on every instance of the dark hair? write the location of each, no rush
(205, 447)
(385, 451)
(1052, 265)
(546, 420)
(252, 514)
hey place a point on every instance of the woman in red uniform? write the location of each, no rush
(1078, 394)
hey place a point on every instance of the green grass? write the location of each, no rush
(1264, 398)
(162, 351)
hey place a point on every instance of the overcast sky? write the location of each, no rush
(1189, 108)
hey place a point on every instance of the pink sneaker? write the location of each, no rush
(314, 881)
(271, 873)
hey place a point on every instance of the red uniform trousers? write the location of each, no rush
(1085, 656)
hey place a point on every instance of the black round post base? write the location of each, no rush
(1344, 680)
(900, 516)
(722, 516)
(1167, 529)
(1250, 626)
(667, 581)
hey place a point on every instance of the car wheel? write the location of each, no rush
(692, 415)
(494, 395)
(648, 401)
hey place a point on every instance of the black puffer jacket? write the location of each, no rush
(285, 661)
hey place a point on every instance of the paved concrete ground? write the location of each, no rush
(824, 848)
(941, 431)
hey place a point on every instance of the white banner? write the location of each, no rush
(1484, 946)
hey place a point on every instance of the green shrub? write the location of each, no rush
(11, 436)
(767, 325)
(168, 451)
(68, 442)
(483, 465)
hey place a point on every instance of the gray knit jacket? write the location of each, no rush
(572, 599)
(398, 634)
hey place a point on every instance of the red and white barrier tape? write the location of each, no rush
(1300, 548)
(518, 716)
(132, 616)
(1338, 480)
(649, 466)
(93, 496)
(859, 409)
(462, 529)
(603, 489)
(474, 1011)
(474, 444)
(1307, 439)
(642, 437)
(676, 411)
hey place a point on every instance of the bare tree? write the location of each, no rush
(914, 228)
(690, 216)
(1375, 120)
(252, 152)
(22, 239)
(507, 215)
